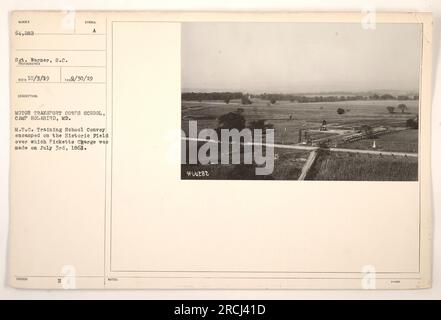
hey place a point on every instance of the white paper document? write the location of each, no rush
(220, 150)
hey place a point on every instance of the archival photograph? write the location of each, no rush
(300, 101)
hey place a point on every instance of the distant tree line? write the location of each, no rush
(330, 98)
(274, 97)
(200, 96)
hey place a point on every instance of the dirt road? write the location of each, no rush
(310, 148)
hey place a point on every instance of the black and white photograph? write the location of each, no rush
(300, 101)
(221, 153)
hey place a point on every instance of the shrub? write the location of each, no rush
(402, 107)
(390, 109)
(412, 123)
(246, 100)
(341, 111)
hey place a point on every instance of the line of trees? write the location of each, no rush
(331, 98)
(200, 96)
(273, 98)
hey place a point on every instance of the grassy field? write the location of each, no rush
(362, 167)
(304, 115)
(289, 117)
(403, 141)
(287, 166)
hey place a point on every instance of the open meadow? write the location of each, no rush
(288, 118)
(303, 115)
(343, 166)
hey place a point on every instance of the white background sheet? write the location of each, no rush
(275, 5)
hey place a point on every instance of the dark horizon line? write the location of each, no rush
(359, 92)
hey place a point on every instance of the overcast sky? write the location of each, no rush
(300, 57)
